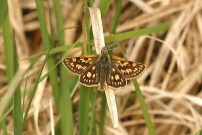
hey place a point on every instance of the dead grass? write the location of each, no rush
(171, 83)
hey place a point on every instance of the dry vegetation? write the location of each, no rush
(171, 83)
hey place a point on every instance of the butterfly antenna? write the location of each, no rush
(90, 43)
(118, 46)
(61, 31)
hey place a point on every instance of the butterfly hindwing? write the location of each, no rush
(127, 68)
(77, 65)
(103, 70)
(115, 79)
(90, 77)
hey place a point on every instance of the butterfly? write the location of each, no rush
(103, 70)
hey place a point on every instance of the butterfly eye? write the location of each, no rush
(104, 50)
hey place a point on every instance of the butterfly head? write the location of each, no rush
(104, 51)
(104, 57)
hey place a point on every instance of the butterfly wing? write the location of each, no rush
(90, 77)
(77, 65)
(127, 68)
(115, 79)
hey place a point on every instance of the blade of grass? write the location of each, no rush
(12, 67)
(104, 6)
(113, 30)
(73, 83)
(115, 21)
(55, 50)
(150, 127)
(47, 45)
(132, 34)
(84, 109)
(3, 11)
(18, 117)
(52, 68)
(65, 98)
(4, 103)
(9, 48)
(127, 35)
(3, 127)
(92, 129)
(3, 14)
(84, 91)
(31, 89)
(3, 116)
(111, 38)
(200, 132)
(66, 112)
(103, 114)
(23, 98)
(34, 90)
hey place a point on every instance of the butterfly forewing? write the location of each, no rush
(127, 68)
(91, 76)
(103, 70)
(78, 65)
(115, 79)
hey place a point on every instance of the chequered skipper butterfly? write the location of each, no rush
(103, 70)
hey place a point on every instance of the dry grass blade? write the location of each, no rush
(52, 118)
(99, 44)
(11, 89)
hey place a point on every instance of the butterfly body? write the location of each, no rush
(103, 70)
(103, 66)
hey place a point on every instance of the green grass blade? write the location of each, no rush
(103, 114)
(3, 127)
(92, 129)
(47, 45)
(17, 112)
(12, 67)
(85, 91)
(104, 6)
(65, 98)
(9, 49)
(32, 95)
(50, 70)
(31, 89)
(132, 34)
(73, 83)
(84, 109)
(200, 132)
(3, 11)
(66, 112)
(3, 116)
(115, 21)
(150, 127)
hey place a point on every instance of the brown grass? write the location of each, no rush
(171, 83)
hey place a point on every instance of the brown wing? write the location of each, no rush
(115, 78)
(127, 68)
(90, 77)
(77, 65)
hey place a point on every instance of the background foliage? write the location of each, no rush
(39, 96)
